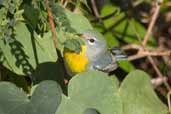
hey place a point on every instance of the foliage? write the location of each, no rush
(44, 99)
(101, 96)
(29, 60)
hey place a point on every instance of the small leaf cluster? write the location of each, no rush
(10, 15)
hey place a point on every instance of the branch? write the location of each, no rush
(51, 22)
(62, 2)
(158, 81)
(104, 17)
(158, 71)
(131, 46)
(157, 53)
(151, 25)
(143, 53)
(168, 101)
(95, 10)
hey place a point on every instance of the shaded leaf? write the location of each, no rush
(11, 98)
(44, 100)
(91, 111)
(31, 15)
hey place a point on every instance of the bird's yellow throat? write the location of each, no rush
(76, 62)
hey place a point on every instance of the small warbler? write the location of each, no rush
(94, 55)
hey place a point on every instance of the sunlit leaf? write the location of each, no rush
(138, 95)
(24, 52)
(100, 94)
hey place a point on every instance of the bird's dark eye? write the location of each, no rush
(92, 40)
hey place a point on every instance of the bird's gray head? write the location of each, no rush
(96, 44)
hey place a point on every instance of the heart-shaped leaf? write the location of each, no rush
(92, 89)
(44, 100)
(138, 95)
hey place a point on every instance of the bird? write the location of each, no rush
(94, 55)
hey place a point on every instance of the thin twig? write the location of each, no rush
(149, 30)
(151, 25)
(95, 10)
(54, 36)
(104, 17)
(157, 53)
(135, 57)
(158, 71)
(143, 53)
(158, 81)
(51, 22)
(131, 46)
(62, 2)
(65, 3)
(168, 101)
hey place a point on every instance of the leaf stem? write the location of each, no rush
(51, 22)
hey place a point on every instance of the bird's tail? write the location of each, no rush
(118, 54)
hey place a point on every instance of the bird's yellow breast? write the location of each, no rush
(76, 62)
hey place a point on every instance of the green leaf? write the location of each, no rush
(85, 3)
(69, 21)
(111, 40)
(138, 96)
(100, 94)
(1, 2)
(91, 111)
(24, 52)
(70, 105)
(69, 24)
(123, 27)
(4, 3)
(78, 22)
(103, 96)
(73, 45)
(3, 19)
(45, 99)
(107, 10)
(126, 65)
(50, 71)
(11, 98)
(31, 15)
